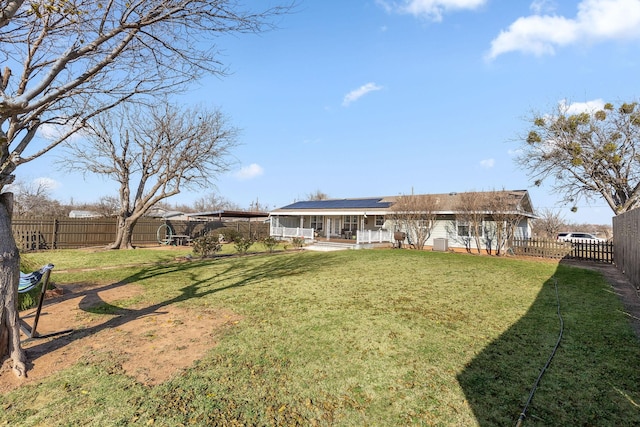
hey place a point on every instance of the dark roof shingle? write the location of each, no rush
(340, 204)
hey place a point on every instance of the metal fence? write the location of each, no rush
(626, 234)
(544, 248)
(68, 233)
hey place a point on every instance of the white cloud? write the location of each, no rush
(42, 183)
(430, 9)
(53, 132)
(46, 182)
(596, 20)
(581, 107)
(542, 6)
(487, 163)
(356, 94)
(590, 107)
(249, 172)
(49, 132)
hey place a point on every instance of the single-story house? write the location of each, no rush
(376, 219)
(84, 214)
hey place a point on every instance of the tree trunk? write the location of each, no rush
(9, 279)
(124, 234)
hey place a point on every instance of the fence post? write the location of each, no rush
(54, 234)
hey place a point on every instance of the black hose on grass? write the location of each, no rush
(523, 414)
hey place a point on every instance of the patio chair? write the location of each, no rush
(28, 282)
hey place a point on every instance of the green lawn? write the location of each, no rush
(360, 338)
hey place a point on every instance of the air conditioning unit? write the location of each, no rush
(440, 245)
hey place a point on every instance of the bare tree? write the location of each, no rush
(495, 231)
(258, 206)
(416, 216)
(471, 211)
(107, 206)
(548, 223)
(587, 155)
(152, 153)
(65, 62)
(35, 199)
(317, 195)
(506, 214)
(214, 202)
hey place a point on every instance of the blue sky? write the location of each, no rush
(375, 98)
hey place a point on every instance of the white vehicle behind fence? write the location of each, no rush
(580, 237)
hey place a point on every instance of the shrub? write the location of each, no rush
(270, 243)
(230, 234)
(297, 242)
(242, 245)
(29, 299)
(207, 245)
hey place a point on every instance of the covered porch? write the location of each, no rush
(348, 220)
(330, 233)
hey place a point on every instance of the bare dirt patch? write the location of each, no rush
(152, 342)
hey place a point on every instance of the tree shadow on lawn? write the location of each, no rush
(238, 272)
(592, 379)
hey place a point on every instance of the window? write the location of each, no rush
(350, 222)
(463, 228)
(316, 222)
(379, 220)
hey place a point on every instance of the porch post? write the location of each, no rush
(327, 230)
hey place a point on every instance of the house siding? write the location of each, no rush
(446, 228)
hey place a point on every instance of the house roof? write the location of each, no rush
(229, 214)
(373, 203)
(209, 215)
(448, 203)
(518, 200)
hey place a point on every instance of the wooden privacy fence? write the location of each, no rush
(544, 248)
(626, 234)
(68, 233)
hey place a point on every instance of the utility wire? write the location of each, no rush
(523, 414)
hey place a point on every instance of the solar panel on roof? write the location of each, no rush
(339, 204)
